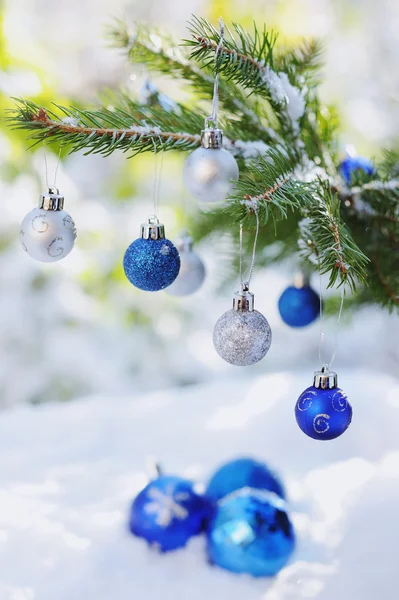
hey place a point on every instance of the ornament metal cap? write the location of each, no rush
(184, 242)
(52, 200)
(243, 300)
(153, 229)
(325, 379)
(211, 138)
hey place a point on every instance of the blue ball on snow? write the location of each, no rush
(168, 512)
(240, 473)
(250, 532)
(151, 265)
(350, 165)
(299, 306)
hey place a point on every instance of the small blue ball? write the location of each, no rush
(350, 165)
(299, 307)
(323, 414)
(168, 512)
(151, 265)
(240, 473)
(250, 533)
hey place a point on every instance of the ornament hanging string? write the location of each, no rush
(54, 185)
(322, 335)
(251, 270)
(157, 178)
(215, 103)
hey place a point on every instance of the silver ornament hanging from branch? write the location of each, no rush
(242, 336)
(192, 269)
(210, 171)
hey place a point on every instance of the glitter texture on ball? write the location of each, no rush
(47, 235)
(323, 414)
(208, 174)
(151, 265)
(242, 338)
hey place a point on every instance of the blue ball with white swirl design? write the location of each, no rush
(323, 414)
(168, 512)
(151, 265)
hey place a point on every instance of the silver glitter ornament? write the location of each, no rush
(209, 172)
(192, 270)
(242, 336)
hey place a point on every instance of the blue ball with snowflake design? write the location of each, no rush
(168, 512)
(152, 262)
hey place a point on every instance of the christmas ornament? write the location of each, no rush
(250, 532)
(192, 269)
(242, 336)
(209, 172)
(168, 512)
(240, 473)
(151, 262)
(350, 165)
(323, 411)
(48, 233)
(299, 304)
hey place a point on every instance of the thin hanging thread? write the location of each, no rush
(215, 102)
(251, 270)
(156, 192)
(322, 335)
(56, 168)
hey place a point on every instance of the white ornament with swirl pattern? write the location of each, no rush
(48, 232)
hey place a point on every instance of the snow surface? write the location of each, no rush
(69, 471)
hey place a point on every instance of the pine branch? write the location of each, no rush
(325, 237)
(270, 189)
(104, 130)
(161, 54)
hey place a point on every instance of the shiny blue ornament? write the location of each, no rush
(322, 410)
(240, 473)
(168, 512)
(350, 165)
(250, 532)
(299, 306)
(151, 262)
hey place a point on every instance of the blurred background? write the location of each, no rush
(77, 328)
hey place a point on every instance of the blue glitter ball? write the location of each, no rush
(323, 414)
(240, 473)
(250, 532)
(299, 306)
(350, 165)
(151, 265)
(168, 512)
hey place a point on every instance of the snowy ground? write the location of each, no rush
(68, 473)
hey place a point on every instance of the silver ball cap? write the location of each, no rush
(325, 379)
(211, 138)
(243, 300)
(153, 229)
(52, 200)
